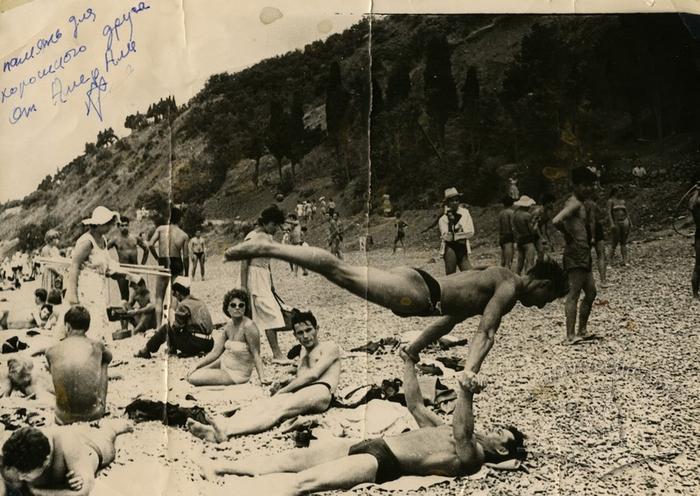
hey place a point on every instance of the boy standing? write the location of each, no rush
(78, 367)
(572, 221)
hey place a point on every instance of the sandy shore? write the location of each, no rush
(616, 416)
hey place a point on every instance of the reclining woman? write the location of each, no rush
(236, 350)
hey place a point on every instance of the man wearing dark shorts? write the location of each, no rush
(694, 205)
(525, 234)
(505, 232)
(127, 245)
(172, 253)
(435, 448)
(573, 222)
(198, 250)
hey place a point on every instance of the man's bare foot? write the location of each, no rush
(414, 357)
(205, 432)
(119, 426)
(403, 353)
(209, 469)
(572, 341)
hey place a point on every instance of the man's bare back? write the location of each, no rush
(172, 241)
(78, 367)
(468, 293)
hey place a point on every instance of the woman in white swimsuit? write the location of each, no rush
(236, 349)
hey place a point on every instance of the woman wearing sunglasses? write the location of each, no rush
(236, 350)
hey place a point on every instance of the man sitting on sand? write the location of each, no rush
(60, 461)
(309, 392)
(435, 448)
(78, 366)
(190, 333)
(491, 292)
(139, 310)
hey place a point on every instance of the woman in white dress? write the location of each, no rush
(90, 266)
(256, 279)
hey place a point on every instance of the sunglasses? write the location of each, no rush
(236, 305)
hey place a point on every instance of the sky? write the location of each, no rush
(71, 68)
(51, 104)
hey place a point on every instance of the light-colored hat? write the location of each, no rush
(182, 281)
(100, 216)
(51, 234)
(451, 193)
(524, 201)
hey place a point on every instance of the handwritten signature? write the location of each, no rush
(111, 31)
(94, 100)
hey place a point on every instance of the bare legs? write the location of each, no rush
(526, 257)
(579, 279)
(264, 415)
(212, 375)
(275, 346)
(620, 233)
(601, 260)
(507, 255)
(401, 290)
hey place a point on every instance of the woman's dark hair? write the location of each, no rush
(55, 297)
(26, 449)
(549, 270)
(271, 214)
(239, 294)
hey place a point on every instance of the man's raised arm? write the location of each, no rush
(306, 376)
(463, 421)
(414, 398)
(501, 302)
(559, 220)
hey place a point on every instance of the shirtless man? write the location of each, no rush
(309, 391)
(694, 206)
(172, 253)
(435, 448)
(78, 366)
(525, 234)
(60, 461)
(505, 232)
(127, 245)
(572, 221)
(491, 292)
(198, 251)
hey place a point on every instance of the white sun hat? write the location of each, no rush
(100, 216)
(524, 201)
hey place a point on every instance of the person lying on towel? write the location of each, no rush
(435, 448)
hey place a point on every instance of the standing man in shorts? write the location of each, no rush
(400, 227)
(505, 232)
(172, 253)
(694, 206)
(572, 221)
(127, 245)
(525, 234)
(198, 250)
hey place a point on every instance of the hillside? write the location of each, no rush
(459, 101)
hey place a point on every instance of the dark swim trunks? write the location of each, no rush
(599, 232)
(174, 264)
(505, 239)
(388, 466)
(577, 255)
(433, 308)
(526, 240)
(459, 249)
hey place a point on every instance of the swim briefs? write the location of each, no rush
(388, 466)
(174, 264)
(433, 306)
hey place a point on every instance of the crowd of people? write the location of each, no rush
(73, 303)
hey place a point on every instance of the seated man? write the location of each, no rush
(435, 448)
(310, 391)
(491, 292)
(139, 310)
(59, 461)
(191, 331)
(78, 366)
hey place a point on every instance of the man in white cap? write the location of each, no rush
(524, 233)
(191, 330)
(456, 227)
